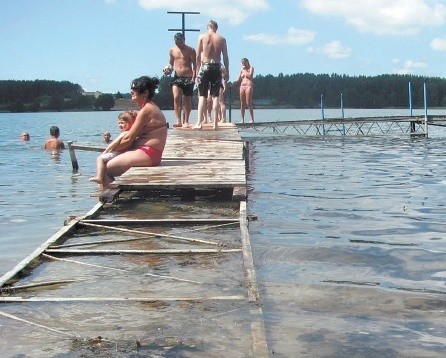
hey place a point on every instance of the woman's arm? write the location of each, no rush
(249, 74)
(129, 136)
(112, 146)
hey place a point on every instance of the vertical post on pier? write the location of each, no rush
(342, 114)
(322, 112)
(412, 124)
(230, 104)
(425, 110)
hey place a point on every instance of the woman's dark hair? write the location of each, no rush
(145, 83)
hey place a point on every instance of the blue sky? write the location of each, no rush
(104, 44)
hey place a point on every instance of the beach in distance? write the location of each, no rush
(349, 244)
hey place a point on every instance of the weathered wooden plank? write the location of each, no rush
(152, 234)
(239, 193)
(191, 221)
(260, 347)
(142, 252)
(109, 195)
(186, 174)
(17, 299)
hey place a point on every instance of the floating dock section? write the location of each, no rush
(161, 267)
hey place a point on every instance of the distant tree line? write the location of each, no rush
(384, 91)
(45, 95)
(303, 90)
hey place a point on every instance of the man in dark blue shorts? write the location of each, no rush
(182, 58)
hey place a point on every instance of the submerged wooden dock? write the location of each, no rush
(165, 268)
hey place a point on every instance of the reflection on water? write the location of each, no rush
(350, 245)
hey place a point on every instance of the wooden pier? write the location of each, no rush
(163, 266)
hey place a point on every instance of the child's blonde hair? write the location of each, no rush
(127, 116)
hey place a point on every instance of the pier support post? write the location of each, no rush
(73, 158)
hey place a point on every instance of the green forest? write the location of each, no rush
(303, 90)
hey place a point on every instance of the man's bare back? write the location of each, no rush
(211, 47)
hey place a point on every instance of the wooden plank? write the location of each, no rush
(191, 221)
(185, 174)
(142, 252)
(259, 344)
(109, 195)
(152, 234)
(239, 193)
(16, 299)
(199, 148)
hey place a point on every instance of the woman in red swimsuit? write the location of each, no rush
(144, 142)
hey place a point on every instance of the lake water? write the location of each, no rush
(350, 241)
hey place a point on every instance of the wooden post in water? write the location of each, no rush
(73, 156)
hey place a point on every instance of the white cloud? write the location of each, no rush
(395, 17)
(408, 66)
(233, 12)
(334, 50)
(294, 36)
(439, 44)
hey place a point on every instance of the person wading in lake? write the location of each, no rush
(211, 48)
(54, 142)
(182, 58)
(144, 142)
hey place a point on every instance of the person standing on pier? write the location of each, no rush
(211, 48)
(182, 59)
(245, 78)
(144, 142)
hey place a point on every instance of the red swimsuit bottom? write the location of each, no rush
(153, 154)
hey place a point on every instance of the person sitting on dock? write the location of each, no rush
(125, 122)
(54, 142)
(144, 143)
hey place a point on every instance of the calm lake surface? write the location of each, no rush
(350, 241)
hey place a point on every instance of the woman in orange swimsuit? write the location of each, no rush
(147, 136)
(245, 79)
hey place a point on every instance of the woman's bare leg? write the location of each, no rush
(123, 162)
